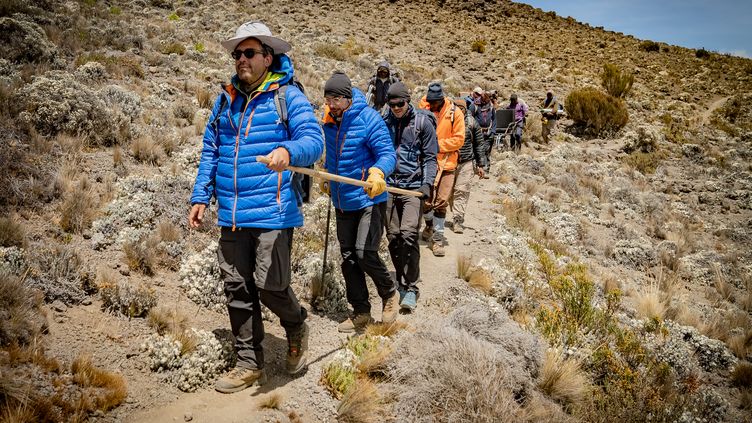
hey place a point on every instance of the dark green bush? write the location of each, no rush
(616, 82)
(596, 112)
(702, 54)
(649, 46)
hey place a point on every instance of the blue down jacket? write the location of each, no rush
(248, 193)
(359, 142)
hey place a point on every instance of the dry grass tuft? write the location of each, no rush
(361, 404)
(204, 97)
(741, 345)
(86, 375)
(742, 375)
(117, 157)
(146, 150)
(464, 266)
(22, 318)
(272, 401)
(562, 379)
(385, 329)
(373, 363)
(168, 231)
(188, 342)
(724, 289)
(481, 280)
(649, 303)
(79, 207)
(12, 232)
(167, 320)
(141, 256)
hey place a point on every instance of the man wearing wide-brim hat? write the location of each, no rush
(258, 204)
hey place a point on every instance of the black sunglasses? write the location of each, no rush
(248, 53)
(397, 104)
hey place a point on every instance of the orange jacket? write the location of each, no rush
(451, 135)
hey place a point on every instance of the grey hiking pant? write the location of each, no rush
(255, 265)
(359, 234)
(402, 228)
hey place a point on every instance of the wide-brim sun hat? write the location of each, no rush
(256, 29)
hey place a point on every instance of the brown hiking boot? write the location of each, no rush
(297, 348)
(240, 378)
(427, 233)
(457, 227)
(437, 246)
(355, 323)
(390, 307)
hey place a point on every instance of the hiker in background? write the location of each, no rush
(470, 162)
(450, 132)
(255, 244)
(549, 112)
(485, 115)
(475, 98)
(520, 113)
(358, 146)
(494, 97)
(379, 85)
(413, 133)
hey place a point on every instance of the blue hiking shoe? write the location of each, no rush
(402, 293)
(409, 302)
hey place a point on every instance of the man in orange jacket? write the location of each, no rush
(450, 131)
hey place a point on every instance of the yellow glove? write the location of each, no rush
(378, 184)
(324, 187)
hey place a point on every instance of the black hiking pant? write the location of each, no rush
(359, 234)
(255, 266)
(402, 228)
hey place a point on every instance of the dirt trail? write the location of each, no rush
(304, 395)
(717, 103)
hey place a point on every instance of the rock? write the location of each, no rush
(86, 301)
(125, 271)
(187, 416)
(58, 306)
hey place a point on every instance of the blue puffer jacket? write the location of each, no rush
(248, 193)
(359, 142)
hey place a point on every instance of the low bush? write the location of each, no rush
(702, 54)
(173, 47)
(331, 51)
(24, 41)
(126, 299)
(478, 46)
(596, 112)
(649, 46)
(615, 81)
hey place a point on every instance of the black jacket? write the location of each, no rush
(416, 148)
(473, 148)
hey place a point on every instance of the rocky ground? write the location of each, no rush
(623, 256)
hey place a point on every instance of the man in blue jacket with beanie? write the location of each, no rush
(258, 206)
(358, 146)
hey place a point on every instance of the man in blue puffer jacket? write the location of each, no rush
(258, 206)
(358, 146)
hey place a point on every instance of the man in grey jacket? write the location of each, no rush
(413, 133)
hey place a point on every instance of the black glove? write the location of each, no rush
(425, 189)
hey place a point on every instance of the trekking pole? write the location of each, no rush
(326, 241)
(337, 178)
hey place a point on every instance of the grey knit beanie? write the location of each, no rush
(435, 92)
(338, 85)
(398, 90)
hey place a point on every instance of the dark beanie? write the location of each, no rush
(398, 90)
(435, 92)
(338, 85)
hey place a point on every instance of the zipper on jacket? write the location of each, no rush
(237, 150)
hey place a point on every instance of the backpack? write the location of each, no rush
(301, 184)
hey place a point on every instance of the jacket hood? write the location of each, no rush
(386, 65)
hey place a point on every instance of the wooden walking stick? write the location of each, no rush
(336, 178)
